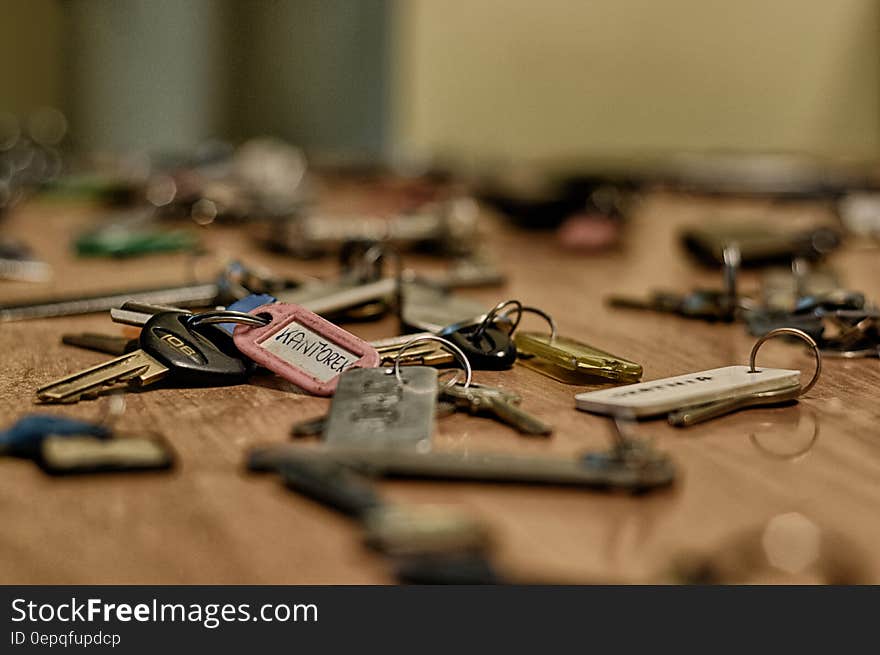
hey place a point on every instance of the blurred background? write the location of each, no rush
(472, 81)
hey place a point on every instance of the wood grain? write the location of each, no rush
(209, 521)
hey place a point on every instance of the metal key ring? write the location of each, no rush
(800, 334)
(227, 316)
(451, 347)
(494, 312)
(540, 312)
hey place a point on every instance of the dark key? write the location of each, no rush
(193, 358)
(332, 484)
(169, 347)
(487, 349)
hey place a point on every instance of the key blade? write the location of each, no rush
(198, 295)
(518, 418)
(693, 415)
(136, 367)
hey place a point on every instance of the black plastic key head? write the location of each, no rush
(489, 349)
(192, 357)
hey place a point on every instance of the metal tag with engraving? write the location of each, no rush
(304, 348)
(668, 394)
(372, 408)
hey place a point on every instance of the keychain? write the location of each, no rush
(695, 397)
(388, 407)
(303, 348)
(569, 360)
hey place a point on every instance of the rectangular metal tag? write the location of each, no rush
(372, 409)
(668, 394)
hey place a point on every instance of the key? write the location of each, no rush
(335, 298)
(426, 309)
(17, 261)
(446, 228)
(137, 314)
(372, 408)
(197, 295)
(229, 286)
(24, 270)
(657, 397)
(23, 438)
(572, 361)
(703, 304)
(80, 454)
(108, 344)
(389, 528)
(303, 348)
(167, 346)
(426, 354)
(617, 469)
(487, 347)
(499, 404)
(698, 414)
(312, 427)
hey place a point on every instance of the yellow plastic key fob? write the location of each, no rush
(571, 361)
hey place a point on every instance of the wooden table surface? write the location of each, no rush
(209, 521)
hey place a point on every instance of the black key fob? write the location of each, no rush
(490, 349)
(192, 357)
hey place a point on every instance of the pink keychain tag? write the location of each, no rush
(303, 348)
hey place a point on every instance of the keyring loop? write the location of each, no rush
(800, 334)
(451, 347)
(227, 316)
(494, 312)
(540, 312)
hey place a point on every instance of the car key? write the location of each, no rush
(499, 404)
(168, 344)
(486, 346)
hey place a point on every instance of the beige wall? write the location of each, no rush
(30, 55)
(541, 78)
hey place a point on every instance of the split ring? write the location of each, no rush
(794, 332)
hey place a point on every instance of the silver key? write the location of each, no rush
(134, 368)
(699, 413)
(197, 295)
(499, 404)
(138, 313)
(325, 298)
(615, 469)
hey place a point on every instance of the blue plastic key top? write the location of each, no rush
(24, 437)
